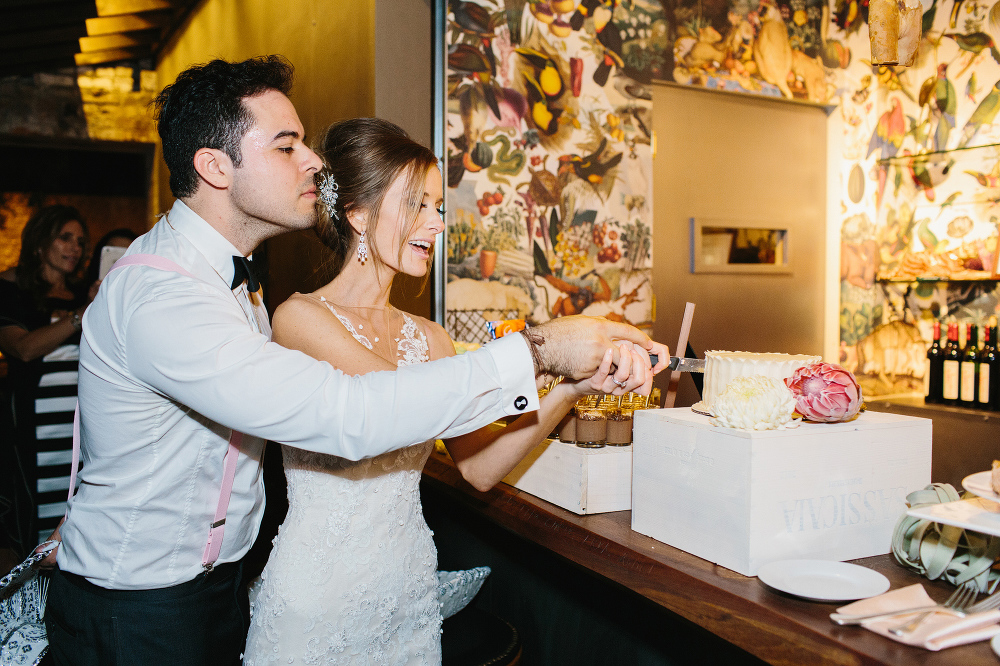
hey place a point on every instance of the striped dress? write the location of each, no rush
(43, 400)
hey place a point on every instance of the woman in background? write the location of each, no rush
(42, 302)
(352, 576)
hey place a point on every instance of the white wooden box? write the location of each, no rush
(742, 499)
(579, 480)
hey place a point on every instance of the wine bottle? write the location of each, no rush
(932, 373)
(987, 366)
(994, 404)
(951, 367)
(970, 369)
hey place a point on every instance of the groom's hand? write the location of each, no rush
(574, 346)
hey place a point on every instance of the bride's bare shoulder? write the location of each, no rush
(297, 316)
(298, 305)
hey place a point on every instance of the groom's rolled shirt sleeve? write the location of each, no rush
(516, 371)
(236, 377)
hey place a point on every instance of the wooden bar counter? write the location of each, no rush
(772, 626)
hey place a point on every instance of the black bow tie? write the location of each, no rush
(244, 271)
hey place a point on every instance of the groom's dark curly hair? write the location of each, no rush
(204, 108)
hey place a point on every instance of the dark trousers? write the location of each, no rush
(202, 622)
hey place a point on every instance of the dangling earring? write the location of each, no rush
(362, 248)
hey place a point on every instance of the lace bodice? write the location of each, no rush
(352, 577)
(410, 348)
(349, 326)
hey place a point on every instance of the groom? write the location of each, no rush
(175, 358)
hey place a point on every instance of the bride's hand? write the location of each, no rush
(50, 560)
(633, 373)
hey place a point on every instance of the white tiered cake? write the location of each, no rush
(721, 367)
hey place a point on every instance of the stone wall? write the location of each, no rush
(116, 103)
(97, 103)
(42, 105)
(64, 109)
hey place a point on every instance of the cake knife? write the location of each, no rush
(681, 364)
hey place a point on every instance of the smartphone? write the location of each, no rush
(109, 255)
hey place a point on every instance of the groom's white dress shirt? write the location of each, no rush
(170, 364)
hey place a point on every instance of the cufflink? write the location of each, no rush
(520, 402)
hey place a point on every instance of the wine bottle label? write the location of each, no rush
(968, 381)
(984, 383)
(950, 389)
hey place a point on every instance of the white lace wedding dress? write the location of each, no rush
(352, 577)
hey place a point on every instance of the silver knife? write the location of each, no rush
(681, 364)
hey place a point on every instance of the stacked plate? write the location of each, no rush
(979, 514)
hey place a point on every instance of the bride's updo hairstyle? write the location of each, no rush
(365, 156)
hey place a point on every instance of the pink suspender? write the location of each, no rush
(218, 527)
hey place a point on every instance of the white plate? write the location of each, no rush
(995, 644)
(823, 580)
(979, 484)
(976, 514)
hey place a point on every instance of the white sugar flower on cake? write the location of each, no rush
(754, 402)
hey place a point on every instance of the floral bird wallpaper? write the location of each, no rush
(549, 156)
(767, 47)
(919, 187)
(549, 162)
(918, 183)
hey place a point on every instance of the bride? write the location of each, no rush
(352, 576)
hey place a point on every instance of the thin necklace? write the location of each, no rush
(373, 325)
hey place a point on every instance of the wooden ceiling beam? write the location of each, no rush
(9, 4)
(45, 35)
(118, 7)
(50, 52)
(27, 39)
(110, 25)
(51, 16)
(30, 68)
(112, 55)
(119, 41)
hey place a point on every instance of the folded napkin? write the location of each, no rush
(936, 632)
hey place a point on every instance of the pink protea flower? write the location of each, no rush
(825, 392)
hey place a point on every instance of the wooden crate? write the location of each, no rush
(579, 480)
(742, 499)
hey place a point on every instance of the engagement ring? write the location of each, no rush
(618, 383)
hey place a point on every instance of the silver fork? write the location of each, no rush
(989, 603)
(959, 602)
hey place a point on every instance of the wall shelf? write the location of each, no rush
(879, 403)
(932, 156)
(987, 277)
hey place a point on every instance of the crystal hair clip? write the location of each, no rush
(328, 194)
